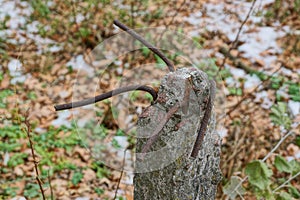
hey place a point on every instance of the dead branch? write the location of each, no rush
(28, 130)
(233, 44)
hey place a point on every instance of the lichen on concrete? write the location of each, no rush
(166, 170)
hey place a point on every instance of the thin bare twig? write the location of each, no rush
(51, 190)
(286, 182)
(105, 96)
(177, 10)
(233, 44)
(266, 157)
(277, 145)
(28, 130)
(147, 44)
(116, 192)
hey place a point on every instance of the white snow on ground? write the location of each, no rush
(251, 81)
(15, 70)
(79, 63)
(257, 39)
(20, 28)
(14, 67)
(294, 107)
(223, 132)
(62, 119)
(17, 15)
(261, 40)
(263, 97)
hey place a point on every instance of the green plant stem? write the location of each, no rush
(265, 158)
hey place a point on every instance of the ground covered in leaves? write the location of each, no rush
(47, 53)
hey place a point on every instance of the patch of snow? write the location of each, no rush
(39, 130)
(79, 63)
(261, 40)
(237, 73)
(231, 82)
(223, 132)
(79, 18)
(14, 67)
(54, 48)
(264, 97)
(266, 2)
(295, 124)
(83, 198)
(15, 70)
(268, 60)
(32, 27)
(42, 43)
(251, 81)
(19, 79)
(118, 62)
(282, 92)
(289, 158)
(286, 71)
(122, 141)
(62, 119)
(17, 15)
(194, 19)
(6, 158)
(129, 178)
(256, 39)
(18, 198)
(63, 94)
(294, 107)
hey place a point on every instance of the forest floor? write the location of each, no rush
(54, 52)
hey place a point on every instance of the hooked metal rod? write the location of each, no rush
(106, 96)
(147, 44)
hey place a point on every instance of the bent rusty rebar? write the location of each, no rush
(205, 120)
(147, 44)
(106, 96)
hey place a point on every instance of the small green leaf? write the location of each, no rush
(279, 115)
(233, 187)
(259, 174)
(145, 51)
(31, 190)
(297, 140)
(159, 62)
(294, 192)
(99, 191)
(17, 159)
(76, 178)
(284, 196)
(294, 91)
(148, 96)
(120, 132)
(295, 166)
(115, 143)
(282, 165)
